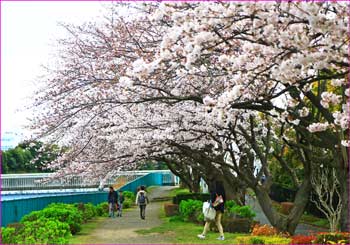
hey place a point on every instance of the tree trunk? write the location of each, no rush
(266, 206)
(301, 199)
(195, 182)
(235, 191)
(289, 223)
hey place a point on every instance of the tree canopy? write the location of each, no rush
(216, 89)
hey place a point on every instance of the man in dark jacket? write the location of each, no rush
(112, 201)
(218, 199)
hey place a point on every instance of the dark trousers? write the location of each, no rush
(142, 211)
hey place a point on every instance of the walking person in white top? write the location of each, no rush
(142, 201)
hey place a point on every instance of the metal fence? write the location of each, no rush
(11, 182)
(13, 210)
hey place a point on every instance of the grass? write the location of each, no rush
(186, 233)
(177, 191)
(87, 229)
(151, 188)
(310, 219)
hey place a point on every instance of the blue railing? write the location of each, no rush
(13, 210)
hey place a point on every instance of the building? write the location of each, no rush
(9, 140)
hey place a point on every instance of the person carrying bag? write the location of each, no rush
(208, 211)
(213, 210)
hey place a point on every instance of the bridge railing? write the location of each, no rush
(13, 182)
(13, 210)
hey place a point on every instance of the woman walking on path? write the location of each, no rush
(120, 203)
(112, 201)
(142, 201)
(218, 198)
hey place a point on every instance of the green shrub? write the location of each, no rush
(81, 209)
(7, 234)
(34, 215)
(246, 212)
(40, 231)
(243, 211)
(19, 227)
(130, 195)
(88, 210)
(190, 209)
(181, 191)
(256, 240)
(200, 216)
(127, 203)
(44, 231)
(66, 213)
(71, 216)
(102, 209)
(193, 196)
(229, 204)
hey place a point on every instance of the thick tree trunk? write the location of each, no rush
(266, 206)
(289, 223)
(301, 199)
(235, 191)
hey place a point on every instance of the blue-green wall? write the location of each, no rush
(147, 180)
(13, 210)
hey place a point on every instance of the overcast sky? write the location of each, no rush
(28, 34)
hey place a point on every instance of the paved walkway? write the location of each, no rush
(121, 230)
(303, 229)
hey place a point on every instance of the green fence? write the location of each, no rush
(13, 210)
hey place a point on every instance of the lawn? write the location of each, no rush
(177, 191)
(87, 228)
(186, 233)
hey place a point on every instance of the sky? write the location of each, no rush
(28, 34)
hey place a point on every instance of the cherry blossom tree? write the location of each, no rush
(262, 53)
(183, 85)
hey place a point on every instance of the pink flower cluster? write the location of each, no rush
(318, 127)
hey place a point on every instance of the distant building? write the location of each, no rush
(9, 140)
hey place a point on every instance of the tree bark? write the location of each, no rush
(289, 223)
(195, 182)
(301, 199)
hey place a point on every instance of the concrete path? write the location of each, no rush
(302, 229)
(121, 230)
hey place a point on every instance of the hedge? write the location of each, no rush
(194, 196)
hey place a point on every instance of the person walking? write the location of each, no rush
(142, 201)
(112, 201)
(217, 197)
(120, 203)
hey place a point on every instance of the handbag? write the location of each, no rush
(208, 211)
(218, 201)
